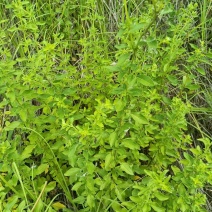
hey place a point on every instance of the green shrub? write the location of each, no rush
(92, 121)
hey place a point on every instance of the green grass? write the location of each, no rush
(105, 105)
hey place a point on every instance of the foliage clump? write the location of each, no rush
(100, 120)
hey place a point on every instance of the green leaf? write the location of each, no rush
(113, 68)
(27, 152)
(123, 58)
(146, 81)
(79, 200)
(119, 90)
(157, 208)
(108, 160)
(160, 196)
(50, 186)
(42, 168)
(90, 167)
(39, 206)
(139, 119)
(194, 46)
(72, 172)
(116, 207)
(131, 144)
(105, 183)
(173, 80)
(129, 204)
(201, 71)
(77, 186)
(146, 208)
(11, 96)
(72, 156)
(136, 199)
(23, 115)
(3, 103)
(119, 194)
(112, 138)
(136, 27)
(11, 201)
(166, 10)
(152, 43)
(149, 173)
(69, 91)
(206, 142)
(13, 125)
(90, 201)
(119, 104)
(192, 87)
(22, 206)
(135, 92)
(188, 157)
(127, 168)
(143, 157)
(58, 206)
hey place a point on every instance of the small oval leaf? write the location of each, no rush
(146, 81)
(127, 168)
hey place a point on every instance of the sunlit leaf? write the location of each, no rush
(166, 10)
(146, 81)
(136, 27)
(157, 208)
(40, 169)
(173, 80)
(143, 157)
(135, 199)
(112, 138)
(91, 201)
(108, 160)
(131, 144)
(13, 125)
(119, 104)
(27, 152)
(76, 186)
(139, 119)
(127, 168)
(72, 172)
(58, 206)
(152, 43)
(50, 186)
(160, 196)
(23, 115)
(79, 200)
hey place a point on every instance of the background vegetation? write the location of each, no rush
(105, 105)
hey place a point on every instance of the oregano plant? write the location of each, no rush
(99, 103)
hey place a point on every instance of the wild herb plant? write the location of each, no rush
(96, 100)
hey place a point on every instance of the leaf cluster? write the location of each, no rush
(96, 120)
